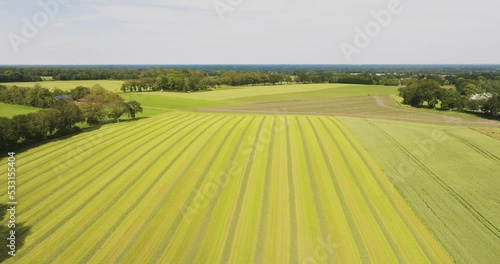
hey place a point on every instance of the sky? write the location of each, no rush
(249, 32)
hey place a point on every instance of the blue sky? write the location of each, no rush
(249, 32)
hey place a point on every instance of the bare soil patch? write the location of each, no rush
(382, 107)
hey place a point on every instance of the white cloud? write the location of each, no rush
(258, 31)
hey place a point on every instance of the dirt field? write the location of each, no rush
(382, 107)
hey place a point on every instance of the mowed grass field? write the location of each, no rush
(112, 85)
(215, 188)
(291, 92)
(266, 174)
(448, 174)
(160, 102)
(8, 110)
(155, 104)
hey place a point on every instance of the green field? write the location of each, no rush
(266, 174)
(112, 85)
(448, 174)
(84, 204)
(160, 102)
(155, 104)
(291, 92)
(8, 110)
(380, 106)
(332, 91)
(248, 91)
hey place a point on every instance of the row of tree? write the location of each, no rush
(38, 96)
(29, 96)
(35, 74)
(35, 127)
(168, 80)
(465, 96)
(94, 105)
(93, 74)
(356, 78)
(199, 77)
(18, 75)
(191, 80)
(100, 104)
(195, 80)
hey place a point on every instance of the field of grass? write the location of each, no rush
(153, 104)
(382, 107)
(331, 92)
(112, 85)
(206, 188)
(8, 110)
(248, 93)
(448, 174)
(266, 174)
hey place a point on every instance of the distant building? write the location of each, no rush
(481, 96)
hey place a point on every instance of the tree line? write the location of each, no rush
(61, 116)
(36, 96)
(31, 128)
(347, 78)
(19, 75)
(194, 80)
(64, 73)
(237, 75)
(99, 104)
(178, 79)
(472, 95)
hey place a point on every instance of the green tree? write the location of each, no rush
(410, 94)
(451, 99)
(79, 92)
(429, 91)
(162, 82)
(19, 127)
(35, 128)
(92, 107)
(133, 108)
(8, 137)
(68, 115)
(115, 109)
(50, 116)
(492, 106)
(101, 104)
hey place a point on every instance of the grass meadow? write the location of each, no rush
(8, 110)
(265, 174)
(448, 174)
(216, 188)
